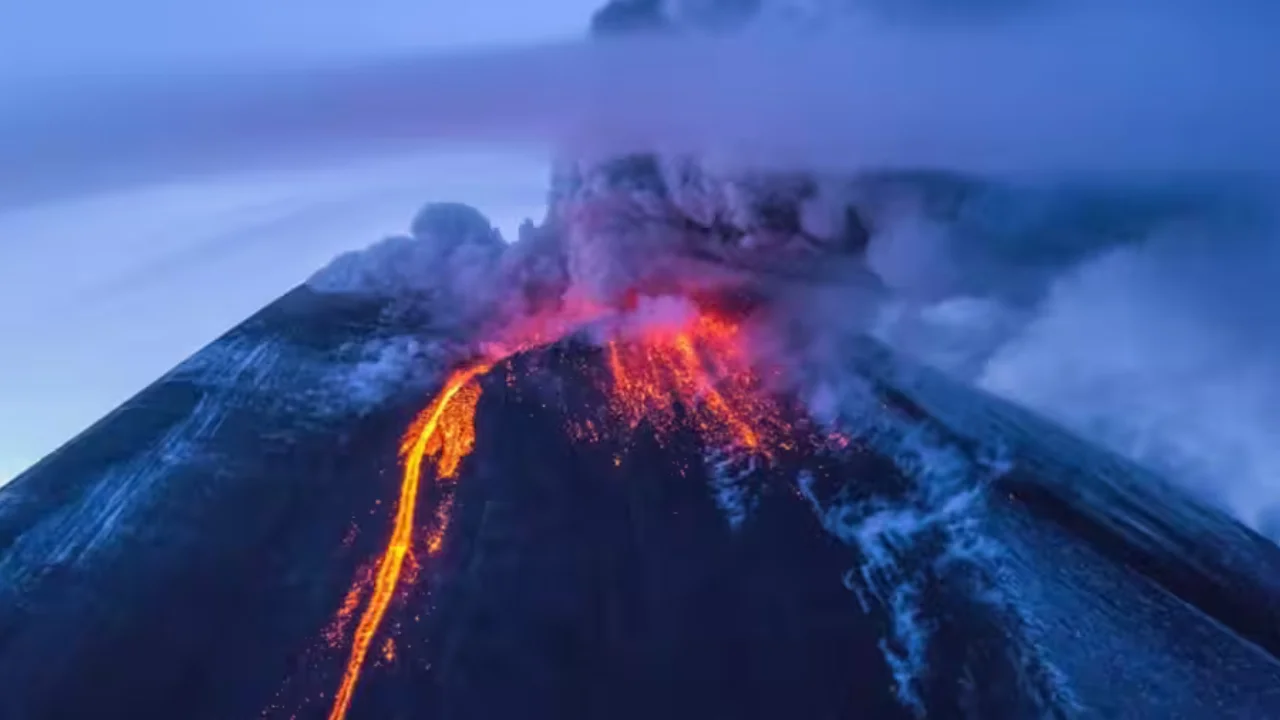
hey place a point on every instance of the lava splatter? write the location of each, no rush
(337, 630)
(700, 366)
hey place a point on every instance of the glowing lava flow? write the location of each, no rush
(701, 366)
(444, 431)
(698, 366)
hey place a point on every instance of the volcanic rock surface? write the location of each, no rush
(186, 557)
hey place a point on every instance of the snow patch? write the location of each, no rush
(734, 494)
(935, 528)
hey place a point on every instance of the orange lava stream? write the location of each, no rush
(701, 367)
(445, 431)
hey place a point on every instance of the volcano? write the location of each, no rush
(646, 461)
(592, 532)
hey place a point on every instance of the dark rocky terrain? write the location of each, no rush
(183, 557)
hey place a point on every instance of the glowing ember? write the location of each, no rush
(445, 432)
(409, 574)
(334, 634)
(435, 538)
(389, 650)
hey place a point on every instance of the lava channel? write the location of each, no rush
(445, 433)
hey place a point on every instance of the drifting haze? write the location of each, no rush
(1092, 91)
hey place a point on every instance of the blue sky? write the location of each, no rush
(100, 293)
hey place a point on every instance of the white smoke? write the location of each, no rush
(1168, 355)
(1164, 347)
(449, 262)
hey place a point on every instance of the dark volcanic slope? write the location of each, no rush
(170, 560)
(183, 557)
(581, 588)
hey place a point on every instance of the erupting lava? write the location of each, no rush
(694, 370)
(699, 364)
(444, 431)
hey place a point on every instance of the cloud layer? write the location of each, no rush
(1118, 92)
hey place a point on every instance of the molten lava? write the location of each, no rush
(699, 366)
(445, 432)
